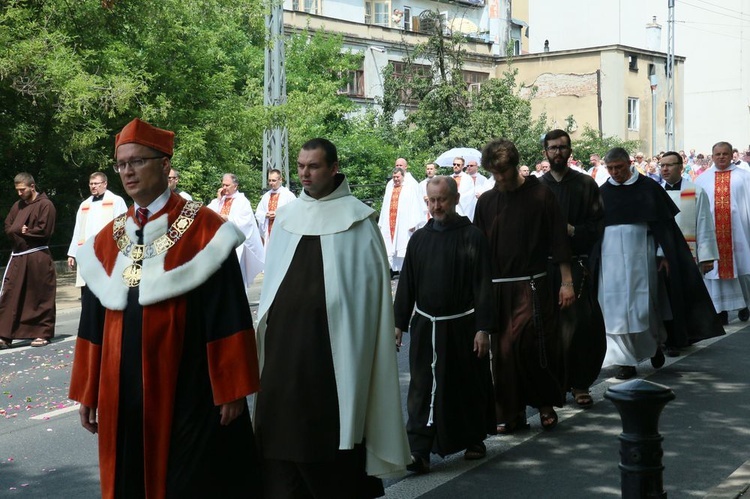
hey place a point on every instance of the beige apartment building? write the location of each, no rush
(606, 88)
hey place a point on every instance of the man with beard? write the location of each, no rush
(522, 222)
(446, 275)
(638, 216)
(582, 325)
(27, 292)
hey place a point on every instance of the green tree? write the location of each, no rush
(441, 113)
(591, 142)
(73, 73)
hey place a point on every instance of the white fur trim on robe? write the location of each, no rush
(360, 317)
(156, 284)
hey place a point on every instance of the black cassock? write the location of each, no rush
(446, 272)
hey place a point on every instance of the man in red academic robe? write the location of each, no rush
(165, 354)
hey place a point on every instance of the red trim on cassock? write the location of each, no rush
(84, 380)
(233, 364)
(109, 399)
(163, 331)
(233, 367)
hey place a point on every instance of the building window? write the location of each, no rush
(634, 120)
(474, 80)
(402, 72)
(309, 6)
(407, 19)
(633, 62)
(378, 12)
(355, 84)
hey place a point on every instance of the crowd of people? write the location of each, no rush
(515, 290)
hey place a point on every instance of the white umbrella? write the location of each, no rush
(446, 159)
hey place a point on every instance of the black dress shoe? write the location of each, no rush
(744, 314)
(625, 372)
(658, 359)
(723, 318)
(418, 465)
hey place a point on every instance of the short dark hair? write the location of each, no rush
(555, 134)
(722, 144)
(331, 154)
(398, 170)
(499, 154)
(24, 178)
(275, 170)
(672, 153)
(617, 154)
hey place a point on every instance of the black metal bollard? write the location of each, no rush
(640, 403)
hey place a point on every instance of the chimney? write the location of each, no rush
(653, 36)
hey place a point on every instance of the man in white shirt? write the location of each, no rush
(94, 213)
(174, 179)
(401, 213)
(233, 206)
(467, 201)
(728, 189)
(273, 199)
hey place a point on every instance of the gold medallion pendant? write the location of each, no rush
(132, 275)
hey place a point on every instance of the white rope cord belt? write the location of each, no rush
(12, 255)
(517, 279)
(435, 319)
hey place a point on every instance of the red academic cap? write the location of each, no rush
(140, 132)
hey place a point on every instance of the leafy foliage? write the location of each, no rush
(590, 142)
(442, 113)
(74, 73)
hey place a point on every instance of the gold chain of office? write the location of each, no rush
(138, 252)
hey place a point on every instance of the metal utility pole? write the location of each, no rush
(670, 79)
(275, 139)
(654, 83)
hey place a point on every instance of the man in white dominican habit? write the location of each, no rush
(94, 213)
(165, 355)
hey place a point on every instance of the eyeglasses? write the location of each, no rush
(94, 184)
(557, 148)
(173, 178)
(457, 164)
(135, 163)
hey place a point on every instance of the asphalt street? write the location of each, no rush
(44, 452)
